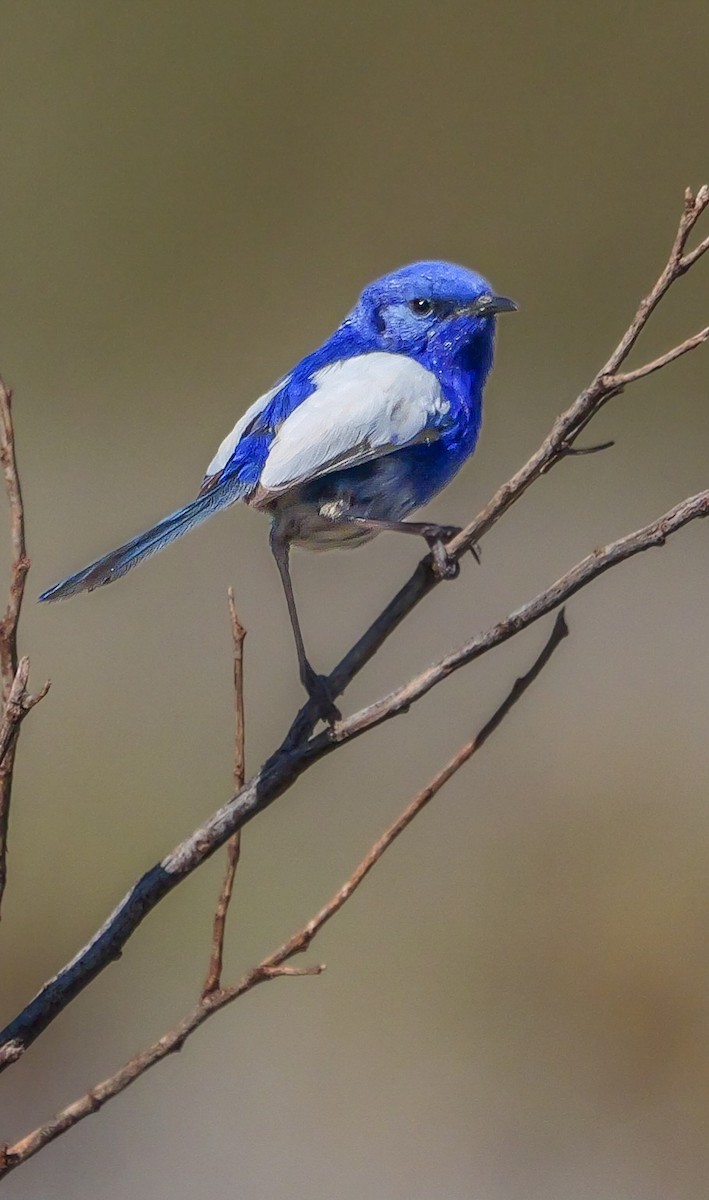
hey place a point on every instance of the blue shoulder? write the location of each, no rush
(251, 451)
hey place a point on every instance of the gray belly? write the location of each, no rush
(319, 514)
(317, 528)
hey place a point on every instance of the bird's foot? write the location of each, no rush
(319, 692)
(444, 566)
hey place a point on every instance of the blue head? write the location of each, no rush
(437, 312)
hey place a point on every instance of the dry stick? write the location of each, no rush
(238, 636)
(295, 753)
(16, 700)
(20, 561)
(274, 965)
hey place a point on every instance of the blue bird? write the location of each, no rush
(362, 432)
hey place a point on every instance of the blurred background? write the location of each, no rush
(517, 1002)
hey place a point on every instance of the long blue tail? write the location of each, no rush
(120, 561)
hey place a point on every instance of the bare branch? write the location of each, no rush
(616, 382)
(274, 966)
(288, 763)
(15, 673)
(677, 265)
(20, 561)
(238, 636)
(595, 564)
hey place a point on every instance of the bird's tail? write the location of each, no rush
(120, 561)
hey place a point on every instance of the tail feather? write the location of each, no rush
(119, 562)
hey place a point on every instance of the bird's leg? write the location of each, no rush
(314, 684)
(435, 535)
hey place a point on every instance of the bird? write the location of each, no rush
(365, 430)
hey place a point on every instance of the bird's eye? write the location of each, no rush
(421, 307)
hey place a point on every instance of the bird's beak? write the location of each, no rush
(488, 306)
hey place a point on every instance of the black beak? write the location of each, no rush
(489, 306)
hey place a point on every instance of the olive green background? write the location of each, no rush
(516, 1004)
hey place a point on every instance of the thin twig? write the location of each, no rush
(15, 672)
(20, 561)
(214, 974)
(677, 265)
(274, 965)
(620, 381)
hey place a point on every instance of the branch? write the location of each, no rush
(289, 763)
(617, 382)
(15, 673)
(214, 974)
(20, 561)
(595, 564)
(274, 965)
(677, 265)
(297, 753)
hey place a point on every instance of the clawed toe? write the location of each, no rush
(444, 566)
(450, 531)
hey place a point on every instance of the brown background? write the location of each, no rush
(517, 1002)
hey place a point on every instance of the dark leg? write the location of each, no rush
(314, 684)
(434, 535)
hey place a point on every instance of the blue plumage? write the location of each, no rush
(365, 430)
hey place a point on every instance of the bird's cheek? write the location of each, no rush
(396, 341)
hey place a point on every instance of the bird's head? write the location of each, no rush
(435, 309)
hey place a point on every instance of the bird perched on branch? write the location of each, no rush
(362, 432)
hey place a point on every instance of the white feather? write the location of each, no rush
(362, 408)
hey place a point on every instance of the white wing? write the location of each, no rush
(362, 408)
(231, 441)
